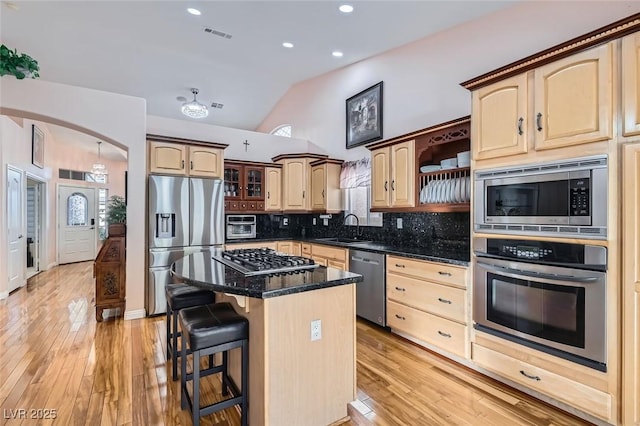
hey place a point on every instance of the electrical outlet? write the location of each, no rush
(399, 223)
(285, 221)
(316, 330)
(314, 220)
(325, 222)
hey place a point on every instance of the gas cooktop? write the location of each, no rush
(264, 261)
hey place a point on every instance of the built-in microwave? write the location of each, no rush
(241, 226)
(563, 198)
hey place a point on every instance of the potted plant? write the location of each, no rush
(18, 65)
(116, 216)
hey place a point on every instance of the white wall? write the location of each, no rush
(421, 79)
(261, 146)
(113, 118)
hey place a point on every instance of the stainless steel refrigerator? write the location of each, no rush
(186, 215)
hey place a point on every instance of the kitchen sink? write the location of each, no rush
(343, 240)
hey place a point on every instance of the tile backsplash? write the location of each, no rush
(447, 230)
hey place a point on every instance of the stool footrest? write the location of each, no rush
(206, 372)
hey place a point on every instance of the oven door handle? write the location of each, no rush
(517, 273)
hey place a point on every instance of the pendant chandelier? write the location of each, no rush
(99, 169)
(195, 109)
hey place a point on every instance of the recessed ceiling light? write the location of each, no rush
(287, 44)
(346, 8)
(337, 53)
(193, 11)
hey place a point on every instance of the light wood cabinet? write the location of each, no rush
(631, 285)
(429, 302)
(500, 125)
(581, 387)
(380, 176)
(325, 186)
(295, 184)
(573, 99)
(393, 176)
(332, 257)
(284, 247)
(185, 160)
(273, 177)
(631, 84)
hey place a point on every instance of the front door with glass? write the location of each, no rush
(76, 224)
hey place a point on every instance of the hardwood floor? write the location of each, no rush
(56, 357)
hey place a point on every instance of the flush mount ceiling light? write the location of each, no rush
(346, 8)
(337, 53)
(193, 11)
(99, 169)
(287, 44)
(194, 109)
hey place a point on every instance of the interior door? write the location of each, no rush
(16, 259)
(76, 224)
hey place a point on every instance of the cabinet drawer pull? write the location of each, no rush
(393, 185)
(539, 121)
(398, 265)
(520, 121)
(536, 378)
(385, 186)
(400, 289)
(268, 195)
(440, 299)
(448, 274)
(400, 317)
(191, 165)
(447, 335)
(182, 164)
(323, 193)
(303, 194)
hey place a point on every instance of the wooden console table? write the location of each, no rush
(109, 271)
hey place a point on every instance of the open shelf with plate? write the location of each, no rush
(443, 153)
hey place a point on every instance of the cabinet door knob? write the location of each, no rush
(191, 165)
(539, 121)
(182, 164)
(385, 186)
(520, 120)
(268, 195)
(303, 194)
(393, 185)
(323, 193)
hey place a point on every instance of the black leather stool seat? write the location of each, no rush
(212, 325)
(180, 296)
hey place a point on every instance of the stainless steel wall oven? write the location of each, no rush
(546, 295)
(565, 198)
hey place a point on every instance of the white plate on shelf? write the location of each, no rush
(468, 188)
(432, 168)
(438, 192)
(463, 190)
(457, 198)
(450, 184)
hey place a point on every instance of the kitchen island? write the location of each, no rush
(292, 379)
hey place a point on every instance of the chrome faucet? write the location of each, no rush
(357, 223)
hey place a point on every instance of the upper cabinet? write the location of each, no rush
(573, 99)
(245, 186)
(325, 186)
(393, 175)
(630, 84)
(499, 113)
(562, 103)
(183, 159)
(273, 177)
(296, 180)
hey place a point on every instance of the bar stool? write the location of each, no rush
(207, 330)
(180, 296)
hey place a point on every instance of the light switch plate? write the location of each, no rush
(314, 220)
(399, 223)
(325, 222)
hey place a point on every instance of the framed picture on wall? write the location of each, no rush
(37, 146)
(364, 116)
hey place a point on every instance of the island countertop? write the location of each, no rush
(201, 270)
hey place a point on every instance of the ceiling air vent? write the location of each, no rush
(216, 105)
(217, 33)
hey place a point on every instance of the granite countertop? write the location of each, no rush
(437, 253)
(200, 270)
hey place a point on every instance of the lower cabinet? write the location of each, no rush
(289, 247)
(429, 302)
(265, 244)
(581, 387)
(332, 257)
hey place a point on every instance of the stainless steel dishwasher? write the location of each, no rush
(371, 293)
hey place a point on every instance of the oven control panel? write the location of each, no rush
(526, 252)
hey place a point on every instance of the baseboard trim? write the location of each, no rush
(135, 314)
(52, 265)
(4, 294)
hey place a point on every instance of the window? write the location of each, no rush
(78, 175)
(77, 210)
(357, 201)
(103, 196)
(283, 130)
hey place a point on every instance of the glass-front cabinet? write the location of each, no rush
(244, 188)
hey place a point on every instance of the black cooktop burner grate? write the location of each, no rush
(264, 261)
